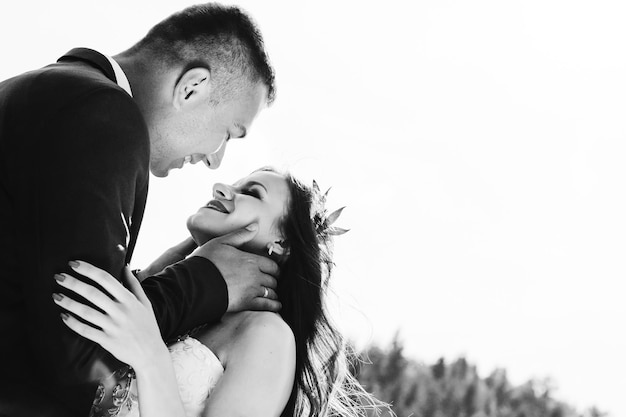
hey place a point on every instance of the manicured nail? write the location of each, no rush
(74, 264)
(59, 277)
(252, 227)
(65, 316)
(57, 296)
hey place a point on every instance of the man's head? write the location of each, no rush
(200, 78)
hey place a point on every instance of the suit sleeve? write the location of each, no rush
(175, 296)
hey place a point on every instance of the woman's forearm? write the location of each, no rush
(157, 388)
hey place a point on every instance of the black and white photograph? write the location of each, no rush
(295, 208)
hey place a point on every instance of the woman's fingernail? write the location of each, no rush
(74, 264)
(65, 316)
(59, 277)
(57, 296)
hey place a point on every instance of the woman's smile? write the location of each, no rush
(217, 205)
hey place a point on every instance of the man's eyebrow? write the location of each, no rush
(242, 131)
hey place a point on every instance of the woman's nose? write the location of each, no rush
(222, 191)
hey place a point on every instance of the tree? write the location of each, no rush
(456, 390)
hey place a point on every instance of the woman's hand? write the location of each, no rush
(127, 328)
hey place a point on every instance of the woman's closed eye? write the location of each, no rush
(252, 191)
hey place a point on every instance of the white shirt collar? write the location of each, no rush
(122, 80)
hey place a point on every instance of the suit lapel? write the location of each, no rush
(100, 62)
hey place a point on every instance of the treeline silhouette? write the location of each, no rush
(454, 389)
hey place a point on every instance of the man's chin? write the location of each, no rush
(158, 172)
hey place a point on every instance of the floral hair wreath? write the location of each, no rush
(321, 219)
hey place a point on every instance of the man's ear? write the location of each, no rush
(193, 86)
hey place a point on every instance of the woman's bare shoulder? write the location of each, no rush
(261, 363)
(259, 334)
(248, 332)
(266, 328)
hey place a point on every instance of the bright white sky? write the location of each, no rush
(478, 146)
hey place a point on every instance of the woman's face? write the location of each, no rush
(261, 198)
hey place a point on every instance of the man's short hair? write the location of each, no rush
(222, 38)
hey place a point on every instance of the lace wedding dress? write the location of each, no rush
(197, 371)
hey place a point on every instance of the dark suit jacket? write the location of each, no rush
(74, 168)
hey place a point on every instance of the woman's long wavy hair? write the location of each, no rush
(324, 385)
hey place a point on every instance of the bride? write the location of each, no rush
(251, 363)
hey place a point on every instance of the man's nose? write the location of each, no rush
(215, 159)
(222, 191)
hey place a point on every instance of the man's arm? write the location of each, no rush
(231, 280)
(173, 290)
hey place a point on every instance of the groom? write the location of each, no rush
(77, 139)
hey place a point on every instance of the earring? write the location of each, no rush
(276, 247)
